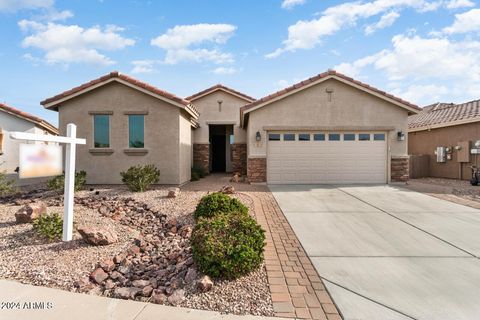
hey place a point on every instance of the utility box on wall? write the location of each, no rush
(441, 154)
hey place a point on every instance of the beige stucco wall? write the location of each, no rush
(349, 107)
(162, 138)
(185, 147)
(209, 113)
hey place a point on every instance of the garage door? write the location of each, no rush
(326, 157)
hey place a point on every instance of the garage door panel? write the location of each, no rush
(297, 162)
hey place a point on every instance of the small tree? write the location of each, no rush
(139, 178)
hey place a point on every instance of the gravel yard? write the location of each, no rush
(458, 191)
(153, 232)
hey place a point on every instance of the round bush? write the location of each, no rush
(228, 245)
(218, 203)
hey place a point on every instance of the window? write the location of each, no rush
(101, 131)
(273, 137)
(364, 137)
(136, 131)
(379, 137)
(289, 137)
(304, 137)
(232, 139)
(319, 137)
(349, 137)
(334, 137)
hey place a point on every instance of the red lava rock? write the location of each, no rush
(177, 297)
(107, 265)
(173, 193)
(158, 297)
(98, 236)
(30, 212)
(228, 190)
(205, 284)
(119, 258)
(98, 275)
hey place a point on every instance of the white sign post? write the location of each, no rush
(71, 141)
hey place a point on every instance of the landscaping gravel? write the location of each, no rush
(151, 257)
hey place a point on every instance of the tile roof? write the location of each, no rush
(219, 87)
(445, 114)
(29, 117)
(322, 76)
(111, 75)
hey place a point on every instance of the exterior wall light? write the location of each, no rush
(258, 136)
(400, 136)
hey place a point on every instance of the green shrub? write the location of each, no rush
(201, 172)
(194, 176)
(49, 226)
(218, 203)
(58, 183)
(139, 178)
(228, 245)
(6, 185)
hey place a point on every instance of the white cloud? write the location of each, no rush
(71, 43)
(143, 66)
(425, 63)
(428, 93)
(225, 70)
(306, 34)
(289, 4)
(54, 15)
(385, 21)
(455, 4)
(15, 5)
(181, 43)
(465, 22)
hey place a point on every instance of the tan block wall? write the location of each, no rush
(162, 138)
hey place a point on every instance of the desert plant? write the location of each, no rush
(58, 183)
(140, 178)
(194, 175)
(6, 185)
(228, 245)
(202, 173)
(49, 226)
(218, 203)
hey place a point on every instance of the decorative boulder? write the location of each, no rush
(98, 275)
(177, 297)
(30, 212)
(158, 297)
(228, 189)
(173, 193)
(205, 284)
(98, 236)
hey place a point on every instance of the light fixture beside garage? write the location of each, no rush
(401, 136)
(258, 136)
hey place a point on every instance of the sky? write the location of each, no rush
(424, 51)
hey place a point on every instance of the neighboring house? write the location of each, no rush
(12, 119)
(452, 127)
(327, 129)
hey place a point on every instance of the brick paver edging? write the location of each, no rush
(297, 290)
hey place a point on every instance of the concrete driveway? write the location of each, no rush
(385, 252)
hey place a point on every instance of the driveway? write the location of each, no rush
(385, 252)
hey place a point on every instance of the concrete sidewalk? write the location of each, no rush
(69, 305)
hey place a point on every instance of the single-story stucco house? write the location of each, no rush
(326, 129)
(448, 130)
(13, 119)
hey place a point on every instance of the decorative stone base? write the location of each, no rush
(239, 158)
(257, 169)
(201, 155)
(399, 169)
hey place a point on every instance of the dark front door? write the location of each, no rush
(218, 153)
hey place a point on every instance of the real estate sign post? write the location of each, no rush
(39, 161)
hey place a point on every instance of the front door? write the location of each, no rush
(218, 153)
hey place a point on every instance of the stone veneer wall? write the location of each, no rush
(257, 169)
(239, 158)
(201, 155)
(400, 169)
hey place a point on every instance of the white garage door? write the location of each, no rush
(326, 157)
